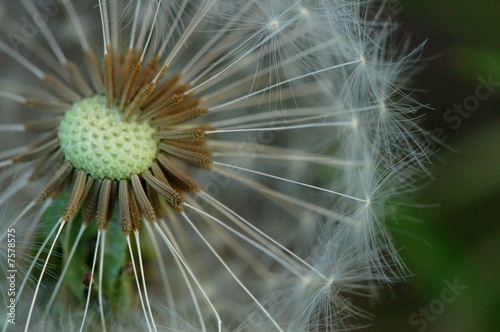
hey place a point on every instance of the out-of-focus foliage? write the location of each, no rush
(454, 232)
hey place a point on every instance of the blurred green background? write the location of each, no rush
(451, 242)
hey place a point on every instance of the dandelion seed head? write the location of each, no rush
(201, 159)
(98, 140)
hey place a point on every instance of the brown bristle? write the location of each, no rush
(124, 203)
(179, 117)
(103, 204)
(169, 90)
(173, 198)
(164, 107)
(93, 70)
(195, 146)
(154, 199)
(55, 106)
(131, 56)
(147, 75)
(57, 180)
(42, 125)
(75, 198)
(60, 88)
(130, 85)
(107, 65)
(135, 211)
(48, 165)
(78, 80)
(158, 173)
(164, 91)
(142, 199)
(38, 152)
(195, 158)
(182, 179)
(193, 134)
(89, 209)
(185, 104)
(141, 97)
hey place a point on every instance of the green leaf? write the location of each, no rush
(471, 60)
(116, 286)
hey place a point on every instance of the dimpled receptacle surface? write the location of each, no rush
(97, 139)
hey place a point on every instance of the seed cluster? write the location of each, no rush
(98, 140)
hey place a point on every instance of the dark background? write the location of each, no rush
(452, 233)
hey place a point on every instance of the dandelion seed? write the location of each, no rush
(187, 155)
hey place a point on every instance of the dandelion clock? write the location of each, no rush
(200, 165)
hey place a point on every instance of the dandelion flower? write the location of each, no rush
(188, 155)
